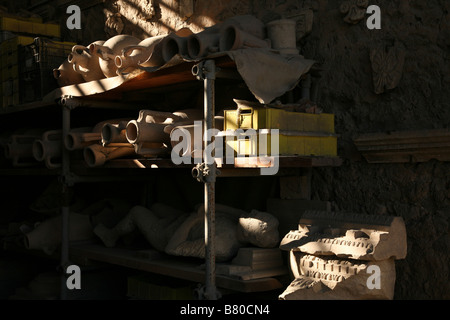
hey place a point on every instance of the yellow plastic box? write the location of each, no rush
(30, 26)
(271, 118)
(9, 24)
(289, 143)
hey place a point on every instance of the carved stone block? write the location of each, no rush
(387, 67)
(355, 236)
(328, 278)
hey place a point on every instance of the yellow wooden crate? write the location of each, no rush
(271, 118)
(298, 143)
(24, 26)
(13, 16)
(30, 26)
(52, 30)
(9, 24)
(9, 52)
(12, 44)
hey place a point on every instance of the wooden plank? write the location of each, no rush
(181, 268)
(407, 146)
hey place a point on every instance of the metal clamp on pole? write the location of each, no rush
(206, 172)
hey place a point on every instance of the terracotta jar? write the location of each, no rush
(65, 75)
(107, 52)
(149, 133)
(143, 54)
(204, 42)
(85, 63)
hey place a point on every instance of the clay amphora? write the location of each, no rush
(107, 52)
(208, 40)
(65, 75)
(142, 54)
(172, 45)
(204, 42)
(85, 63)
(191, 145)
(233, 38)
(19, 148)
(150, 125)
(149, 52)
(149, 133)
(49, 149)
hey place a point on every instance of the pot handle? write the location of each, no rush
(79, 47)
(126, 51)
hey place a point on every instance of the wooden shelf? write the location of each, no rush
(114, 88)
(242, 167)
(176, 267)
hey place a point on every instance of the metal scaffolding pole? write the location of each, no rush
(206, 173)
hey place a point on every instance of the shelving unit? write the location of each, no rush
(113, 93)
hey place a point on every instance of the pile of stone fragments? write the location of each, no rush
(344, 256)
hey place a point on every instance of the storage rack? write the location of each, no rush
(112, 89)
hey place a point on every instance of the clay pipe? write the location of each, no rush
(232, 38)
(80, 138)
(96, 155)
(114, 133)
